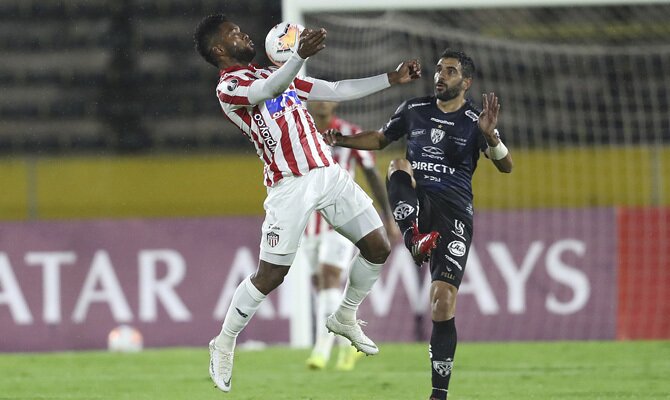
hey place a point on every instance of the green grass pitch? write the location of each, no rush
(556, 370)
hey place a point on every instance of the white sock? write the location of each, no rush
(246, 300)
(327, 301)
(362, 275)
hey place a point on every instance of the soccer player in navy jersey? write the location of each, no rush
(431, 189)
(268, 106)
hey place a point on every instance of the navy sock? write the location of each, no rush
(442, 350)
(404, 202)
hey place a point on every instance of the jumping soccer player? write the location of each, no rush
(431, 190)
(329, 253)
(267, 105)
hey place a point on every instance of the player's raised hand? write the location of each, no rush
(488, 119)
(311, 42)
(331, 136)
(406, 72)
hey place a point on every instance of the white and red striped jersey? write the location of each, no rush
(281, 129)
(348, 159)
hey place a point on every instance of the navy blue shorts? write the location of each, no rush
(448, 259)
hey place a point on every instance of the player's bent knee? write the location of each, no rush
(400, 164)
(375, 246)
(269, 276)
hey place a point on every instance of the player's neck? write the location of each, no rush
(451, 105)
(228, 62)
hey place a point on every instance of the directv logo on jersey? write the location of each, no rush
(432, 167)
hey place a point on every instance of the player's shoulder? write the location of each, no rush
(242, 72)
(419, 103)
(471, 111)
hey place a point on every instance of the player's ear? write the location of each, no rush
(467, 82)
(217, 51)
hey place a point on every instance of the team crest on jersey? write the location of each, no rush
(443, 368)
(436, 135)
(273, 239)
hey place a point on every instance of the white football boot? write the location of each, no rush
(354, 333)
(220, 367)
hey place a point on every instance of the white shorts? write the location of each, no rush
(328, 247)
(329, 190)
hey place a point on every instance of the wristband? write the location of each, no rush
(498, 152)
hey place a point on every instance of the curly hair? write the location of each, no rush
(204, 32)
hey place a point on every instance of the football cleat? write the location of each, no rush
(354, 333)
(422, 244)
(346, 358)
(316, 362)
(220, 367)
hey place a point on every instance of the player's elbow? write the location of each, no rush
(382, 142)
(505, 168)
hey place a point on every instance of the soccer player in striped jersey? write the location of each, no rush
(431, 189)
(329, 253)
(268, 106)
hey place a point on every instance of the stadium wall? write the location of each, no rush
(231, 184)
(564, 274)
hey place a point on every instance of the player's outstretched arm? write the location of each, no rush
(351, 89)
(488, 119)
(366, 140)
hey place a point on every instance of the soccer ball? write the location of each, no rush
(124, 339)
(282, 41)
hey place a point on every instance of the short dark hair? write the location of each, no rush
(204, 32)
(467, 65)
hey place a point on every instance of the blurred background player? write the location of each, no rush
(431, 190)
(330, 253)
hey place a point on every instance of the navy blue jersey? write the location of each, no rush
(443, 148)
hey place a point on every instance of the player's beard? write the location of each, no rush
(245, 54)
(448, 93)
